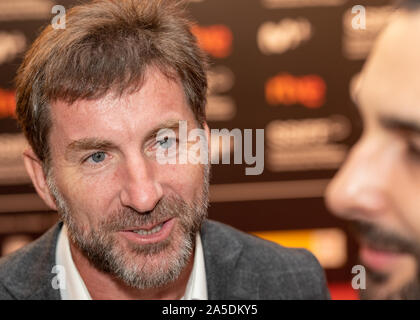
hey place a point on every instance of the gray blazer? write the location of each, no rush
(238, 266)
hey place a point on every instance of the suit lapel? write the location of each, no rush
(226, 278)
(31, 278)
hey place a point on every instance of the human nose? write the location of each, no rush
(359, 190)
(140, 189)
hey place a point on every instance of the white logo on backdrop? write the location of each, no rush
(25, 9)
(286, 35)
(11, 44)
(309, 144)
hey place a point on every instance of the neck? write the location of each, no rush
(104, 286)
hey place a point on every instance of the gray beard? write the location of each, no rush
(408, 291)
(103, 252)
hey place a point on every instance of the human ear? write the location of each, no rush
(35, 171)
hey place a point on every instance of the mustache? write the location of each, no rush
(381, 239)
(127, 217)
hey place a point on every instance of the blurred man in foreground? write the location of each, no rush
(101, 104)
(378, 187)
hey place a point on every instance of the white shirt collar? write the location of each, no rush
(74, 288)
(197, 283)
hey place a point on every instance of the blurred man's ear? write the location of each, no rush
(34, 168)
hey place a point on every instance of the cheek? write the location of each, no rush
(183, 180)
(411, 211)
(90, 197)
(406, 198)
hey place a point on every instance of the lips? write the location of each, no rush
(151, 233)
(378, 259)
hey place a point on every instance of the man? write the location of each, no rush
(93, 100)
(378, 186)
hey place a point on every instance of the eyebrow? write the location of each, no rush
(86, 144)
(172, 124)
(399, 124)
(89, 144)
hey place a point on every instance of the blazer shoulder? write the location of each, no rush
(295, 270)
(28, 269)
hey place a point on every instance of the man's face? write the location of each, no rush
(130, 215)
(379, 185)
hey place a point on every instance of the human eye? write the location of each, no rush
(166, 142)
(413, 146)
(414, 150)
(96, 157)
